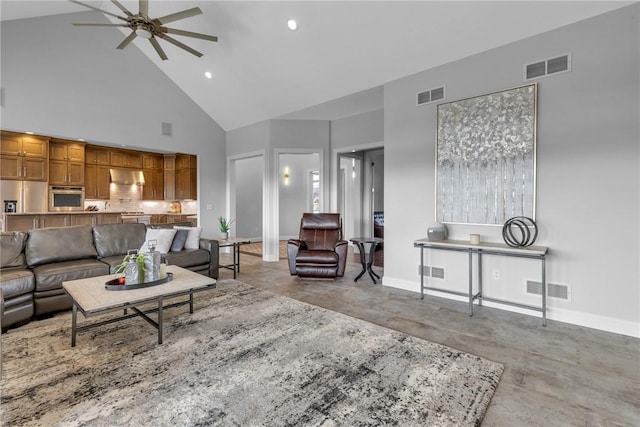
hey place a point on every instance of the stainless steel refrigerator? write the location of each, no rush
(31, 196)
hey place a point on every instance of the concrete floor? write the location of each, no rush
(561, 375)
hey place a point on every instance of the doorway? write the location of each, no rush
(360, 199)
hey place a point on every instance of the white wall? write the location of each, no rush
(62, 83)
(294, 194)
(248, 197)
(588, 186)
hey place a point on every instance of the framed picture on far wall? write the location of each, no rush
(486, 157)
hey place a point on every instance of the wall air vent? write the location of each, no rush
(553, 290)
(166, 129)
(430, 96)
(547, 67)
(437, 272)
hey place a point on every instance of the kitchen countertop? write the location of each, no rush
(63, 213)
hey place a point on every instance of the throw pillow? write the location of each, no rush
(193, 238)
(163, 237)
(179, 240)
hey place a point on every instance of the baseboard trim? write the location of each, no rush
(588, 320)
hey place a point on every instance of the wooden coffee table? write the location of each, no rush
(92, 299)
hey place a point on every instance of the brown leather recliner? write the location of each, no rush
(320, 251)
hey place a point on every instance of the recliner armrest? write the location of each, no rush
(342, 247)
(293, 246)
(213, 246)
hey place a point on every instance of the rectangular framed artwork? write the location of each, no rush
(486, 157)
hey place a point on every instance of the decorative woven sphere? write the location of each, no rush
(517, 231)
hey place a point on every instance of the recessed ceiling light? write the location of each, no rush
(81, 139)
(29, 133)
(208, 75)
(292, 24)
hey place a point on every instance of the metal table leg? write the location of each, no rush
(470, 283)
(160, 319)
(362, 260)
(74, 323)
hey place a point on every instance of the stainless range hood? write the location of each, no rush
(127, 176)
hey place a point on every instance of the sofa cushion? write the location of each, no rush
(51, 276)
(315, 257)
(57, 244)
(117, 239)
(193, 236)
(16, 282)
(178, 241)
(12, 249)
(187, 257)
(163, 238)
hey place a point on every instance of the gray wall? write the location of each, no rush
(248, 197)
(588, 191)
(71, 82)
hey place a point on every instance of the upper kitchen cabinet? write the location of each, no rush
(153, 176)
(126, 159)
(23, 157)
(70, 151)
(152, 161)
(94, 155)
(186, 177)
(66, 162)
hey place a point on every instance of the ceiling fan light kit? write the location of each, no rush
(144, 27)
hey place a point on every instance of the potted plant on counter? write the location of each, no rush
(225, 226)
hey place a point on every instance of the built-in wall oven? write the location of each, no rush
(66, 198)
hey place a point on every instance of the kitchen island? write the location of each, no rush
(33, 220)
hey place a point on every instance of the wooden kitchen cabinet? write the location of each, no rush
(170, 177)
(158, 219)
(126, 159)
(66, 162)
(97, 155)
(66, 150)
(23, 145)
(62, 172)
(186, 184)
(152, 161)
(96, 182)
(153, 188)
(109, 218)
(21, 222)
(186, 177)
(23, 157)
(23, 168)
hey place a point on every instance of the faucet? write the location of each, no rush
(106, 205)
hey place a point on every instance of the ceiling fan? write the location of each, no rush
(143, 26)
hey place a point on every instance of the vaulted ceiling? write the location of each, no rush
(335, 63)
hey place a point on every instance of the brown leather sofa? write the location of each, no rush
(35, 264)
(320, 251)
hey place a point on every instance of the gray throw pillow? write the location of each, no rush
(179, 240)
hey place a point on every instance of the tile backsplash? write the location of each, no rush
(128, 198)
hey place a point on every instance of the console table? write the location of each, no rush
(533, 252)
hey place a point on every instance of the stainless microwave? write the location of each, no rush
(63, 198)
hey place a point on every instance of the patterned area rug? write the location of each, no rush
(246, 357)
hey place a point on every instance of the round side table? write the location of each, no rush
(366, 265)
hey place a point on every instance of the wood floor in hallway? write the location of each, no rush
(559, 375)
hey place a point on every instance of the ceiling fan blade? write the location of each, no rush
(98, 9)
(126, 41)
(180, 45)
(156, 46)
(122, 8)
(179, 15)
(143, 7)
(187, 34)
(100, 25)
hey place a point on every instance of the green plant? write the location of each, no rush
(139, 257)
(225, 225)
